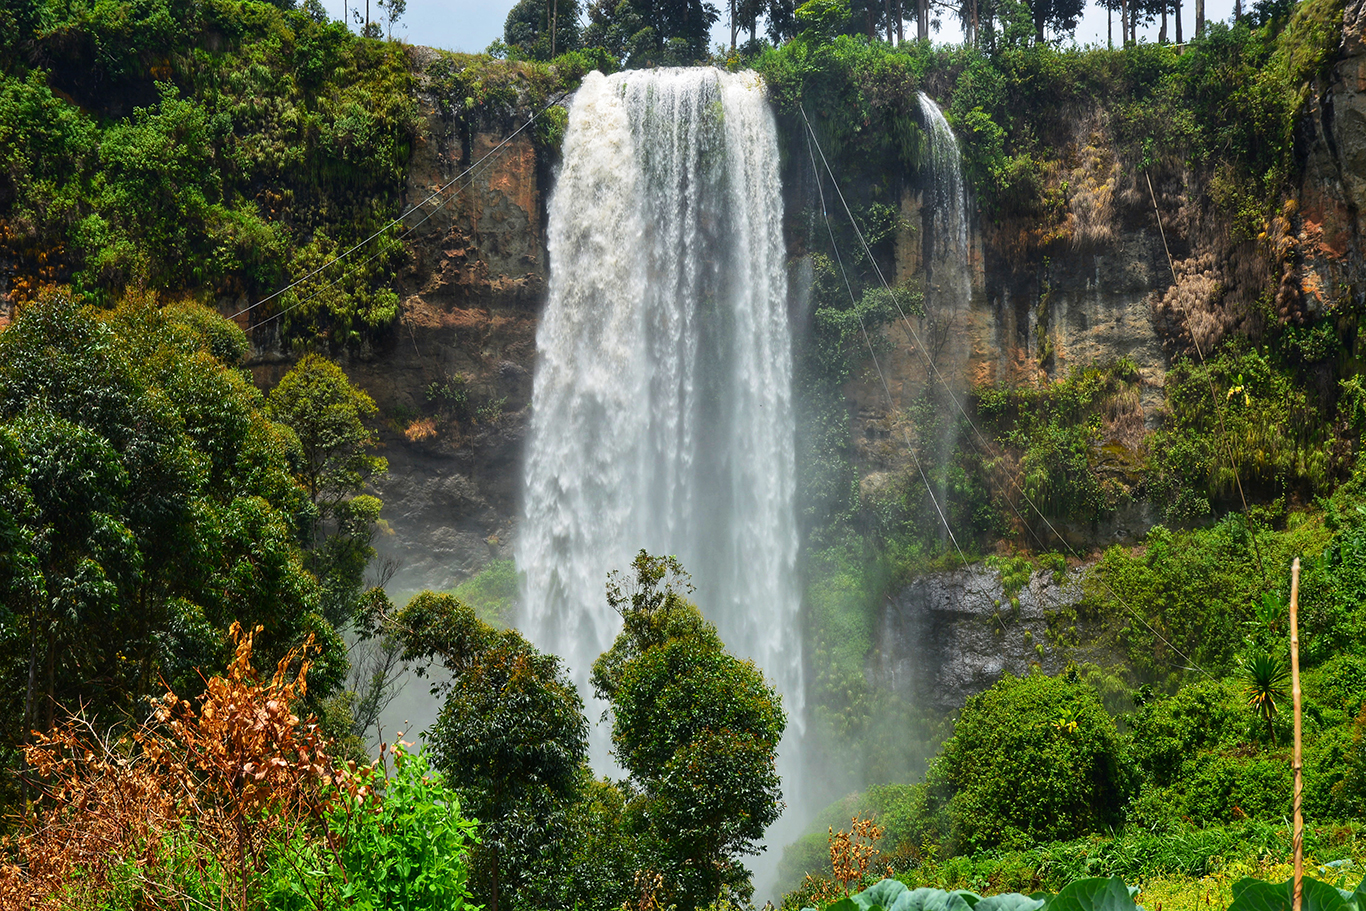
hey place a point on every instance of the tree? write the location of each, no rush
(511, 738)
(541, 29)
(1058, 15)
(393, 11)
(651, 32)
(1264, 680)
(1032, 759)
(327, 414)
(696, 727)
(150, 504)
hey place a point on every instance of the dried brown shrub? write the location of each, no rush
(1191, 306)
(184, 804)
(1091, 203)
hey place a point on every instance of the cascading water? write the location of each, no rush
(946, 198)
(661, 410)
(948, 276)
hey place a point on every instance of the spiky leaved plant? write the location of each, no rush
(1264, 680)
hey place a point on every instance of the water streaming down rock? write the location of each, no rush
(947, 199)
(661, 410)
(946, 257)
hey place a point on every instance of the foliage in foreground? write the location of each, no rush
(232, 802)
(147, 501)
(695, 727)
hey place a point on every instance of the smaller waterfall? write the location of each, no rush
(946, 260)
(947, 200)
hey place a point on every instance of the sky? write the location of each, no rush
(471, 25)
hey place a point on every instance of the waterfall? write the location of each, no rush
(946, 199)
(946, 260)
(661, 409)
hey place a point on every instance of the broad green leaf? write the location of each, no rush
(882, 894)
(1255, 895)
(1010, 901)
(1094, 894)
(927, 899)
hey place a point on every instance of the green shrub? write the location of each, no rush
(1033, 758)
(492, 592)
(399, 839)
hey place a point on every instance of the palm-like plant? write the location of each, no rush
(1264, 679)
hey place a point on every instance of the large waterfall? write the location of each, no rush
(661, 412)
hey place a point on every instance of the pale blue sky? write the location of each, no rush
(470, 25)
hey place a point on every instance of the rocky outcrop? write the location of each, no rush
(1321, 243)
(948, 636)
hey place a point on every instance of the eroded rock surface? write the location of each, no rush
(948, 636)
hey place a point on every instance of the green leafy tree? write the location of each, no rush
(698, 730)
(651, 32)
(542, 29)
(511, 738)
(328, 415)
(1034, 758)
(149, 503)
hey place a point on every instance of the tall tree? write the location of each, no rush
(696, 727)
(328, 415)
(540, 29)
(1057, 15)
(511, 738)
(149, 502)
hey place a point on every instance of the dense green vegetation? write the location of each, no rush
(163, 157)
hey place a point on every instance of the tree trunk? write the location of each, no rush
(922, 19)
(1177, 9)
(1109, 28)
(732, 25)
(887, 8)
(1237, 10)
(1162, 34)
(1123, 22)
(1199, 18)
(554, 24)
(493, 905)
(900, 19)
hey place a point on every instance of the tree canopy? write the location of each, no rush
(696, 727)
(150, 501)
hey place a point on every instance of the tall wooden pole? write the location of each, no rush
(1297, 761)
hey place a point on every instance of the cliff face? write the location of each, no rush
(950, 635)
(452, 379)
(1325, 257)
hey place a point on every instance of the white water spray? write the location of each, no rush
(661, 411)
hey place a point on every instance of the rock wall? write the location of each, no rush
(453, 378)
(947, 636)
(476, 280)
(1325, 263)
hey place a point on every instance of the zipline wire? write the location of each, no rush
(986, 447)
(469, 171)
(891, 403)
